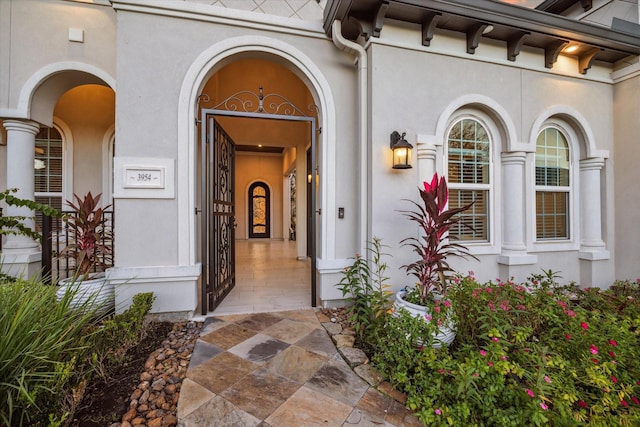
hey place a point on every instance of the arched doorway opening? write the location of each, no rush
(259, 212)
(253, 135)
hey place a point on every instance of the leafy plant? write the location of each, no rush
(532, 353)
(12, 224)
(433, 247)
(364, 282)
(88, 248)
(120, 333)
(41, 342)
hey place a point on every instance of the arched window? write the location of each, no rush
(259, 202)
(469, 177)
(48, 169)
(552, 185)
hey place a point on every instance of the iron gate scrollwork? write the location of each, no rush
(218, 215)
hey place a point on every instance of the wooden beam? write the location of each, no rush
(428, 26)
(552, 51)
(585, 60)
(378, 19)
(514, 44)
(473, 36)
(364, 27)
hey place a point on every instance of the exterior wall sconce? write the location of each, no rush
(401, 151)
(310, 177)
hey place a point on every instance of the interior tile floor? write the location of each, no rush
(269, 277)
(278, 369)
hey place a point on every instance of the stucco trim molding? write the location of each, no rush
(67, 159)
(23, 109)
(577, 120)
(174, 286)
(203, 67)
(483, 103)
(223, 16)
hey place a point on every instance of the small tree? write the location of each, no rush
(89, 232)
(434, 246)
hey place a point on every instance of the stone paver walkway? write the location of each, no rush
(283, 369)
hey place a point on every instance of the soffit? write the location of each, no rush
(515, 25)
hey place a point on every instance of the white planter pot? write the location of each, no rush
(447, 332)
(99, 291)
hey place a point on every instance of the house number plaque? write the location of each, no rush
(144, 177)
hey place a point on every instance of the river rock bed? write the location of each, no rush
(154, 401)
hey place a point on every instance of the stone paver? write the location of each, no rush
(283, 369)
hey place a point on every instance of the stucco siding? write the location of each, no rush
(37, 40)
(627, 176)
(414, 91)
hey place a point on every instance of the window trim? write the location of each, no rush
(560, 244)
(491, 245)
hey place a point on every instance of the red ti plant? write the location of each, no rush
(89, 236)
(434, 246)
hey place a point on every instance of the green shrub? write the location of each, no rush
(525, 354)
(41, 341)
(119, 333)
(364, 285)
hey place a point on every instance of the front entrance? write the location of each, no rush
(218, 196)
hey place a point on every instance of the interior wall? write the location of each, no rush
(88, 111)
(249, 169)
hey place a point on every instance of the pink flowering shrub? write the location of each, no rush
(525, 354)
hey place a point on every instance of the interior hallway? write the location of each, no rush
(268, 278)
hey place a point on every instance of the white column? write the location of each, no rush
(596, 268)
(514, 249)
(21, 143)
(426, 161)
(590, 208)
(21, 254)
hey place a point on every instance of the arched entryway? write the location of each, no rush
(207, 64)
(251, 136)
(66, 109)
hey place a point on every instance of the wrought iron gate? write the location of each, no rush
(218, 197)
(218, 214)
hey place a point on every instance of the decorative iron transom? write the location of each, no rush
(251, 102)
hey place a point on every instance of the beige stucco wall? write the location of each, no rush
(148, 88)
(253, 168)
(412, 89)
(513, 99)
(32, 43)
(627, 176)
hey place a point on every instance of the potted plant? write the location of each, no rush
(433, 247)
(88, 252)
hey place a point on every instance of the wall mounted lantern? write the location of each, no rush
(401, 151)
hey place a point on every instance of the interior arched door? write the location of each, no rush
(259, 208)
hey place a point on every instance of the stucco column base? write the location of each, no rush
(330, 272)
(517, 259)
(175, 287)
(596, 273)
(21, 263)
(517, 266)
